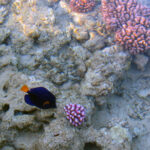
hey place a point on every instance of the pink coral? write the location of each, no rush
(82, 6)
(131, 23)
(134, 38)
(75, 114)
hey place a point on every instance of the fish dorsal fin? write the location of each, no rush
(24, 88)
(46, 103)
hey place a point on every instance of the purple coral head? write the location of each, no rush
(75, 113)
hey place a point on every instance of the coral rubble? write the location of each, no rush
(130, 21)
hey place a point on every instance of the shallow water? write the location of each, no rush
(74, 55)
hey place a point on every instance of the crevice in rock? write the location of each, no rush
(19, 112)
(5, 108)
(46, 120)
(7, 40)
(91, 146)
(5, 88)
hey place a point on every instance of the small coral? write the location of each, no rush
(75, 114)
(130, 21)
(82, 6)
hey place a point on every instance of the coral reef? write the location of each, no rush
(44, 43)
(75, 114)
(130, 21)
(82, 6)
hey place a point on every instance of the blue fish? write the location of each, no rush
(39, 97)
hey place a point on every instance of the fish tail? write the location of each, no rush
(24, 88)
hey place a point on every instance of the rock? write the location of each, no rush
(8, 148)
(52, 2)
(27, 61)
(20, 43)
(115, 138)
(61, 39)
(5, 60)
(104, 68)
(141, 61)
(27, 122)
(137, 132)
(57, 137)
(4, 2)
(89, 22)
(3, 13)
(30, 138)
(4, 50)
(59, 79)
(144, 93)
(2, 140)
(4, 34)
(119, 134)
(96, 43)
(80, 34)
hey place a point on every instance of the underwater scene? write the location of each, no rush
(74, 74)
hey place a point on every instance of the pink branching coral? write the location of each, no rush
(134, 38)
(82, 6)
(75, 114)
(130, 21)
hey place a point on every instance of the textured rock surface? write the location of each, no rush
(104, 68)
(141, 61)
(116, 137)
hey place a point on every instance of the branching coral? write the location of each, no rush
(75, 114)
(130, 21)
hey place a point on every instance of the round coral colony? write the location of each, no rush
(75, 113)
(82, 6)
